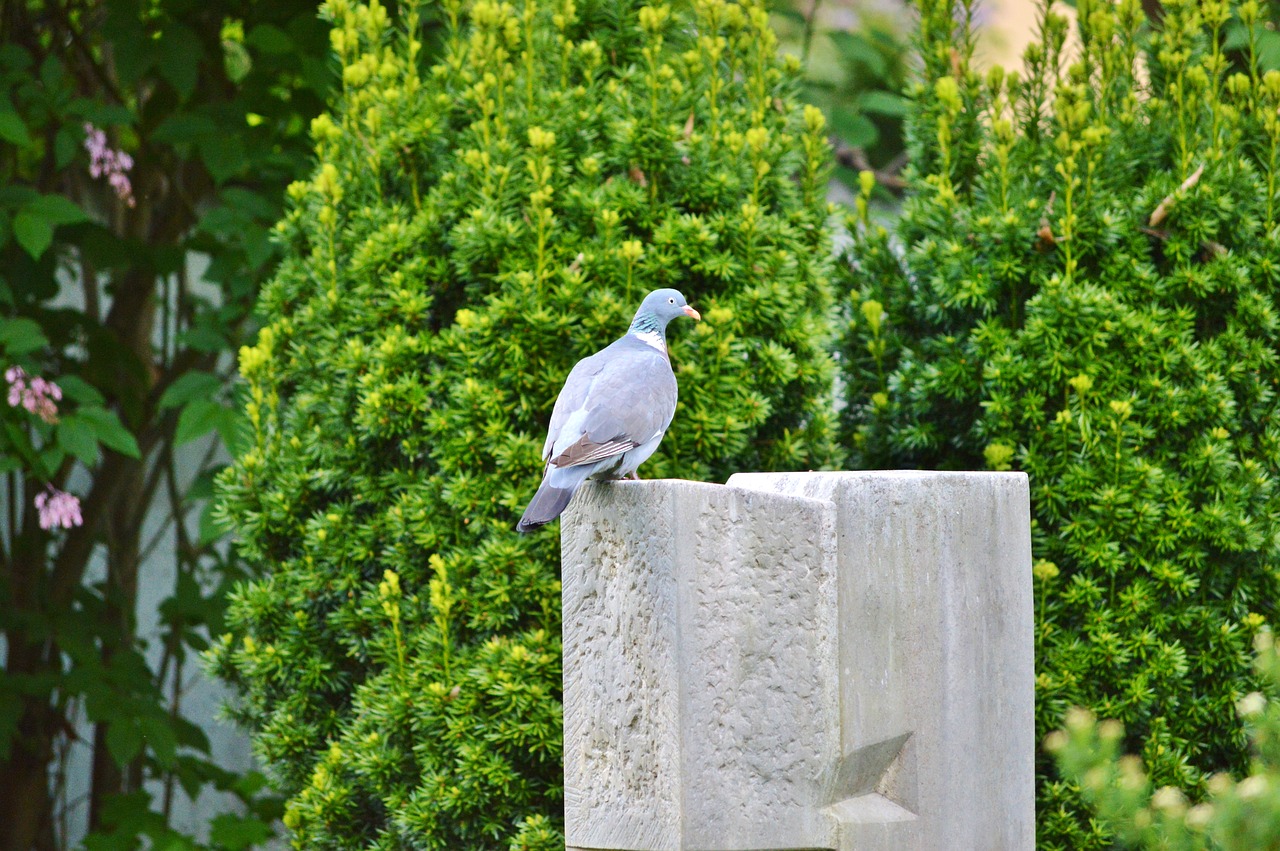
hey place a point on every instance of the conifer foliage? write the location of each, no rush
(476, 224)
(1083, 287)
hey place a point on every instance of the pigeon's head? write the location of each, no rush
(661, 306)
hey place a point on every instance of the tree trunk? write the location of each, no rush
(24, 773)
(132, 319)
(123, 529)
(24, 780)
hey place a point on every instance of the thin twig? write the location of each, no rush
(86, 54)
(890, 176)
(807, 38)
(186, 509)
(1158, 215)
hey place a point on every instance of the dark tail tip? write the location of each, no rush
(545, 506)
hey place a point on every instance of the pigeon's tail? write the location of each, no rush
(545, 506)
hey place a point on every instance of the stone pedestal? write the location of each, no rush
(799, 661)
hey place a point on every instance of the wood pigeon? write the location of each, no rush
(613, 410)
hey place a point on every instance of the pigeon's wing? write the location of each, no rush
(630, 400)
(573, 396)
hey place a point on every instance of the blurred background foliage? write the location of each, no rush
(144, 151)
(856, 60)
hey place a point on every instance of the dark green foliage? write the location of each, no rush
(104, 290)
(1237, 815)
(1084, 289)
(472, 229)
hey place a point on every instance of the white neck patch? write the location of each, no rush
(652, 338)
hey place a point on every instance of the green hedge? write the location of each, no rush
(1083, 287)
(473, 227)
(1237, 815)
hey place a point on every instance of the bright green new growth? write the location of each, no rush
(1084, 289)
(472, 229)
(1238, 815)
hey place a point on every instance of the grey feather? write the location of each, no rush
(613, 411)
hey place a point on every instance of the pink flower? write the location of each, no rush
(58, 509)
(105, 161)
(37, 395)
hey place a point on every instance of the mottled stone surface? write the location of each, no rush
(718, 607)
(799, 661)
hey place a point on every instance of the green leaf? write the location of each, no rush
(14, 58)
(77, 389)
(270, 39)
(52, 455)
(190, 735)
(249, 205)
(176, 842)
(33, 232)
(856, 49)
(11, 706)
(1237, 36)
(202, 485)
(124, 739)
(21, 335)
(183, 127)
(159, 737)
(204, 338)
(102, 114)
(14, 195)
(57, 210)
(111, 432)
(884, 103)
(1269, 50)
(853, 127)
(232, 429)
(189, 387)
(203, 415)
(236, 61)
(79, 438)
(179, 58)
(198, 418)
(249, 784)
(13, 131)
(223, 155)
(235, 832)
(212, 527)
(66, 145)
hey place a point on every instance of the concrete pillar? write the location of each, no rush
(799, 661)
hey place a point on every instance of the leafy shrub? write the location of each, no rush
(855, 75)
(472, 229)
(1084, 289)
(1239, 815)
(144, 153)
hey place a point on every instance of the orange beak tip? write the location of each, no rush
(690, 312)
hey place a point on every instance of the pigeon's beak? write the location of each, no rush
(691, 313)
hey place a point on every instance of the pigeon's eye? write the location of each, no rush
(671, 301)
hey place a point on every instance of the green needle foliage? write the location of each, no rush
(1082, 287)
(472, 229)
(1238, 815)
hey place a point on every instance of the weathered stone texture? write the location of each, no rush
(799, 661)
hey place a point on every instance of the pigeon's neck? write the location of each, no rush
(647, 329)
